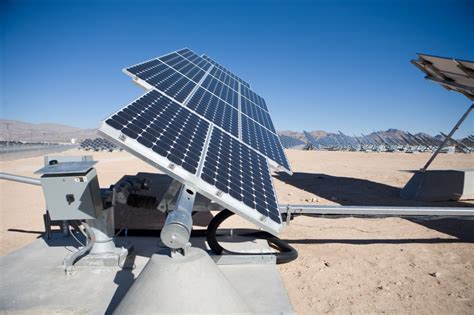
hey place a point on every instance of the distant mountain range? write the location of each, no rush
(14, 130)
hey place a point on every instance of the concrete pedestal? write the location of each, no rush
(34, 282)
(440, 185)
(190, 284)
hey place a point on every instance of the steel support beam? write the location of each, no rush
(446, 139)
(20, 179)
(377, 211)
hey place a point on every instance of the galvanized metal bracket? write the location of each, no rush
(169, 196)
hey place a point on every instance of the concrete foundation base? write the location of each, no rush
(190, 284)
(33, 280)
(440, 185)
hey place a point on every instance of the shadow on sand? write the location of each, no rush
(361, 192)
(378, 241)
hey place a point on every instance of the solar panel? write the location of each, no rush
(257, 114)
(163, 128)
(264, 141)
(311, 139)
(197, 125)
(290, 142)
(453, 74)
(240, 172)
(179, 75)
(216, 110)
(164, 78)
(220, 68)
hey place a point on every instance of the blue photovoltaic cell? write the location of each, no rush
(186, 52)
(169, 57)
(226, 71)
(147, 65)
(256, 113)
(254, 97)
(221, 90)
(263, 141)
(227, 79)
(197, 60)
(162, 125)
(242, 173)
(184, 66)
(164, 79)
(216, 110)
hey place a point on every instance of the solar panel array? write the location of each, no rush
(97, 144)
(453, 74)
(222, 101)
(290, 142)
(203, 125)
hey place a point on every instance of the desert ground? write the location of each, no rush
(345, 265)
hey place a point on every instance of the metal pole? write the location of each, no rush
(457, 142)
(20, 179)
(378, 211)
(446, 139)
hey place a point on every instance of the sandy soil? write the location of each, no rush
(345, 265)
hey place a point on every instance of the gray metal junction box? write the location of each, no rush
(71, 190)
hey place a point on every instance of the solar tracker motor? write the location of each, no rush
(179, 223)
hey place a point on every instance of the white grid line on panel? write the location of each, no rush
(240, 114)
(204, 151)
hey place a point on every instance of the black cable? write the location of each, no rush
(286, 252)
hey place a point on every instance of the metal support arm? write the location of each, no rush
(20, 179)
(376, 211)
(446, 139)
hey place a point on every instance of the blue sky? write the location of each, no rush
(321, 65)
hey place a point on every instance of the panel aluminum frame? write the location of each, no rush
(180, 174)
